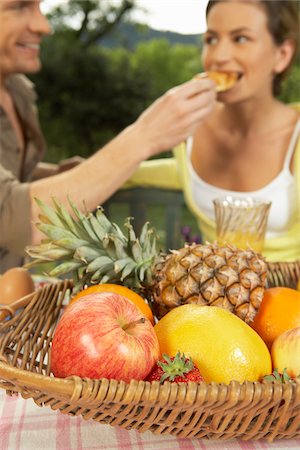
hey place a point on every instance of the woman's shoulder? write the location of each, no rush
(295, 105)
(290, 109)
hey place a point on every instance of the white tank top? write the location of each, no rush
(281, 192)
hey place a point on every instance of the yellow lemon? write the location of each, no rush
(222, 346)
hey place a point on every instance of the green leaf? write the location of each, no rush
(49, 213)
(128, 269)
(87, 253)
(99, 263)
(70, 243)
(65, 217)
(144, 234)
(64, 268)
(103, 221)
(136, 250)
(53, 232)
(121, 263)
(119, 248)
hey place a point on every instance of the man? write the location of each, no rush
(23, 177)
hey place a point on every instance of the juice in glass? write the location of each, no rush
(241, 221)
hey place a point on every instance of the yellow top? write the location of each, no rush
(173, 173)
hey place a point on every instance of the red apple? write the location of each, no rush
(285, 352)
(104, 335)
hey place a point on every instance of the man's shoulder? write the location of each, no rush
(21, 85)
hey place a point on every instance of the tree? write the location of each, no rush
(167, 65)
(77, 83)
(94, 19)
(290, 87)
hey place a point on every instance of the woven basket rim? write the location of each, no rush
(51, 383)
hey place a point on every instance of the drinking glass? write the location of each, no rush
(241, 221)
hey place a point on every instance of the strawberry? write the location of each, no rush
(177, 369)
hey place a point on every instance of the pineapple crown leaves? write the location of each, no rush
(179, 365)
(91, 248)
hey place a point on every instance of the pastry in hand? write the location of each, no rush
(223, 80)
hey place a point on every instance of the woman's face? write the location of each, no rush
(237, 39)
(21, 31)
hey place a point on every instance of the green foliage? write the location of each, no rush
(88, 101)
(94, 19)
(291, 86)
(166, 65)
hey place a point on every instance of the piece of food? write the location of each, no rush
(221, 345)
(15, 283)
(177, 369)
(223, 80)
(118, 289)
(104, 335)
(285, 352)
(93, 250)
(279, 311)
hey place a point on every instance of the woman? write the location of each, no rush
(249, 145)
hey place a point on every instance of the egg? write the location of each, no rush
(14, 284)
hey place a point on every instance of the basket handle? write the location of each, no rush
(15, 379)
(10, 310)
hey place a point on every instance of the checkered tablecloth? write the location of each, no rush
(25, 426)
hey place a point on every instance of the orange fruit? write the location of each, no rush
(221, 345)
(279, 311)
(118, 289)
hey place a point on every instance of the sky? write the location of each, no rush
(181, 16)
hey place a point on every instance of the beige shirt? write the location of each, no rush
(16, 169)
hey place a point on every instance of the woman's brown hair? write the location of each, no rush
(283, 23)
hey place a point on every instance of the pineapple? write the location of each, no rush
(93, 250)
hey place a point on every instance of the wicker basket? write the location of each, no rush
(268, 410)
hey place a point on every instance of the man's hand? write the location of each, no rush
(177, 114)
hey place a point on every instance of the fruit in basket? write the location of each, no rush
(94, 250)
(104, 335)
(118, 289)
(177, 369)
(279, 312)
(15, 283)
(285, 352)
(221, 345)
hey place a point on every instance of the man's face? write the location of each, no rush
(21, 30)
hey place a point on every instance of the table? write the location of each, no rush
(26, 426)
